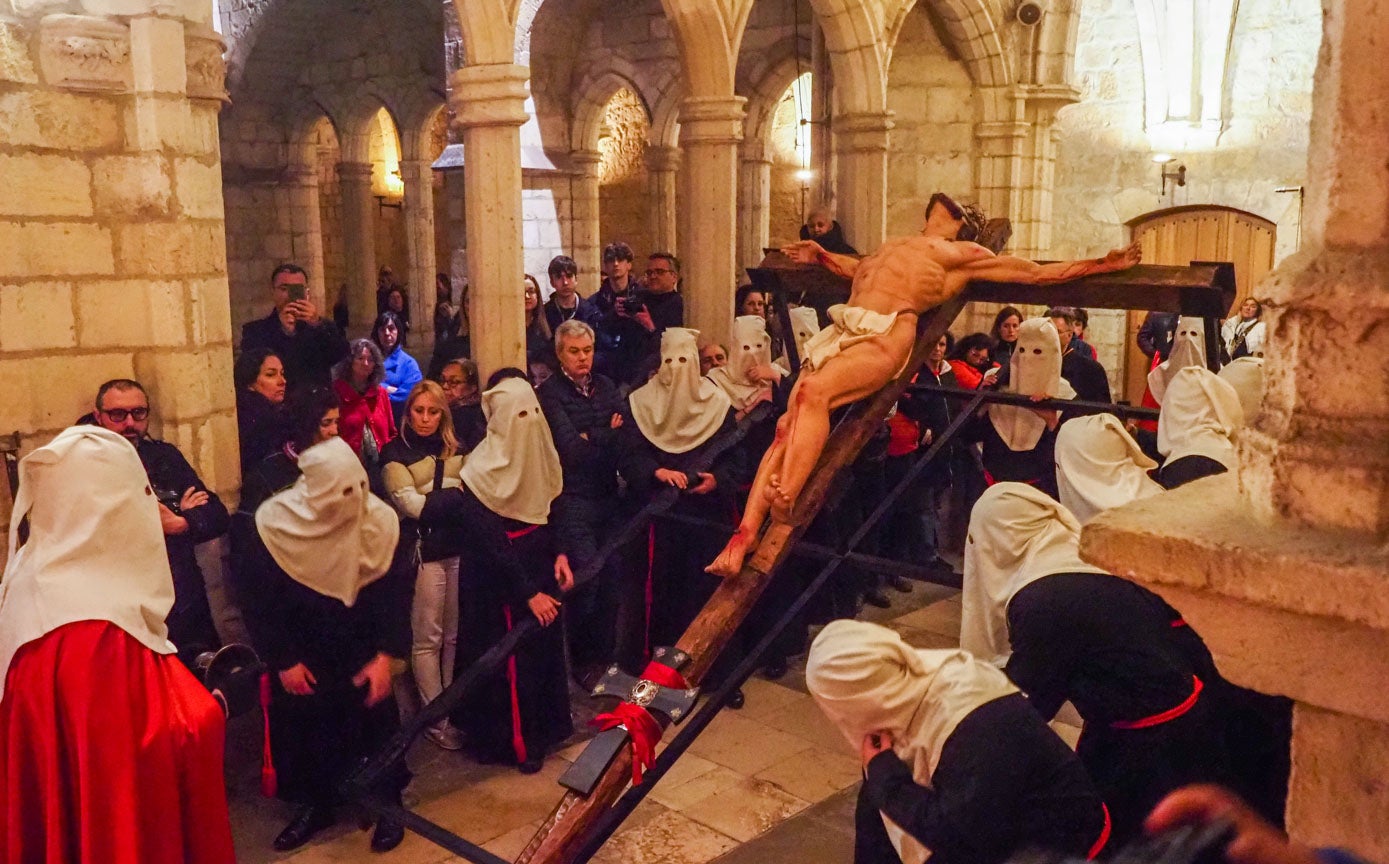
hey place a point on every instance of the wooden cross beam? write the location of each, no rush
(1197, 290)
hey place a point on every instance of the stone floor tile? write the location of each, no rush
(682, 796)
(746, 746)
(815, 774)
(809, 723)
(941, 617)
(511, 844)
(746, 809)
(767, 697)
(669, 838)
(807, 838)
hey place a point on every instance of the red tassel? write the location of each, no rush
(269, 782)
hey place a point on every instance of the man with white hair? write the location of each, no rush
(110, 750)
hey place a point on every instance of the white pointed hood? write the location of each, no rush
(1199, 416)
(1016, 536)
(1099, 466)
(327, 531)
(1246, 375)
(1035, 368)
(749, 348)
(1188, 349)
(679, 409)
(805, 323)
(95, 550)
(866, 679)
(515, 470)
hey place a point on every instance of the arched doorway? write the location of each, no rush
(1180, 235)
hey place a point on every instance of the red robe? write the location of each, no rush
(109, 753)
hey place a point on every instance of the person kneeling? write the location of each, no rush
(958, 767)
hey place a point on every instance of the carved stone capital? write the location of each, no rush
(489, 95)
(77, 52)
(207, 71)
(712, 120)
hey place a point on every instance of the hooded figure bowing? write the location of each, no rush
(1099, 466)
(329, 617)
(1196, 427)
(673, 418)
(1064, 630)
(1018, 441)
(957, 766)
(110, 750)
(509, 569)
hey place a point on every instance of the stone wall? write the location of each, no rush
(624, 212)
(112, 255)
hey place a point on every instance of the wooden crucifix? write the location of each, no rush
(1203, 290)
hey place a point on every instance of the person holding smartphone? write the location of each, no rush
(307, 343)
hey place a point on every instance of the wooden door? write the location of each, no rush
(1198, 233)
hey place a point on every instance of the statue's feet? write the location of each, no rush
(783, 506)
(729, 563)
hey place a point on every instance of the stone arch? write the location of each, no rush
(764, 95)
(488, 28)
(858, 56)
(594, 91)
(973, 27)
(665, 114)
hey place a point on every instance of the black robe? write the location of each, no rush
(676, 586)
(522, 710)
(1180, 472)
(1005, 783)
(1109, 647)
(319, 739)
(1035, 467)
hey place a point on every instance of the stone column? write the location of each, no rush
(821, 151)
(1283, 568)
(710, 131)
(754, 202)
(587, 245)
(662, 171)
(306, 229)
(861, 142)
(112, 241)
(359, 239)
(418, 208)
(488, 102)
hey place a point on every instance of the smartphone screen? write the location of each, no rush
(297, 292)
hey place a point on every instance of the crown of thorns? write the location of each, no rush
(973, 217)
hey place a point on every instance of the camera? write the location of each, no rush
(168, 497)
(631, 305)
(1187, 844)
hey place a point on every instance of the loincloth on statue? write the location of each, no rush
(849, 325)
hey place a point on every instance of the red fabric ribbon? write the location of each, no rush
(642, 728)
(269, 780)
(1104, 835)
(1165, 716)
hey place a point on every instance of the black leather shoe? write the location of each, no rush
(388, 834)
(737, 700)
(310, 820)
(530, 766)
(899, 583)
(774, 670)
(876, 598)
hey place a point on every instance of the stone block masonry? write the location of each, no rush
(112, 246)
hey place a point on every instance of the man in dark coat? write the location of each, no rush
(1085, 375)
(307, 344)
(189, 512)
(620, 339)
(583, 410)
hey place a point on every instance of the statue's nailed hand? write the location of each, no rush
(803, 251)
(1122, 259)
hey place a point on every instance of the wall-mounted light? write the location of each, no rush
(1176, 175)
(805, 175)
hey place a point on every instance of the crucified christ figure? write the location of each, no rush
(871, 339)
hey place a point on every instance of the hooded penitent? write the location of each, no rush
(805, 323)
(749, 348)
(679, 409)
(515, 471)
(1188, 349)
(1198, 417)
(327, 531)
(1246, 375)
(1100, 466)
(1035, 368)
(95, 550)
(867, 680)
(1016, 536)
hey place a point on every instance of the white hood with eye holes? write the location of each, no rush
(751, 347)
(679, 409)
(515, 470)
(1035, 369)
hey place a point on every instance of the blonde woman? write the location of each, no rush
(423, 461)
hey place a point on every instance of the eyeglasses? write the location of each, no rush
(120, 414)
(657, 272)
(454, 382)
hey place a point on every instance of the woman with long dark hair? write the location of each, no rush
(367, 420)
(401, 372)
(259, 376)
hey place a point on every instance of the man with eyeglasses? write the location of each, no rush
(189, 512)
(664, 305)
(307, 343)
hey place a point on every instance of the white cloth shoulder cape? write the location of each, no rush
(749, 347)
(1246, 375)
(866, 679)
(1199, 416)
(1099, 466)
(1188, 349)
(1016, 536)
(679, 409)
(95, 550)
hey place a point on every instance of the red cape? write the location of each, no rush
(109, 753)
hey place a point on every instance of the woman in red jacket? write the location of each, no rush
(366, 422)
(970, 360)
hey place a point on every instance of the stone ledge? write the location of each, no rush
(1285, 609)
